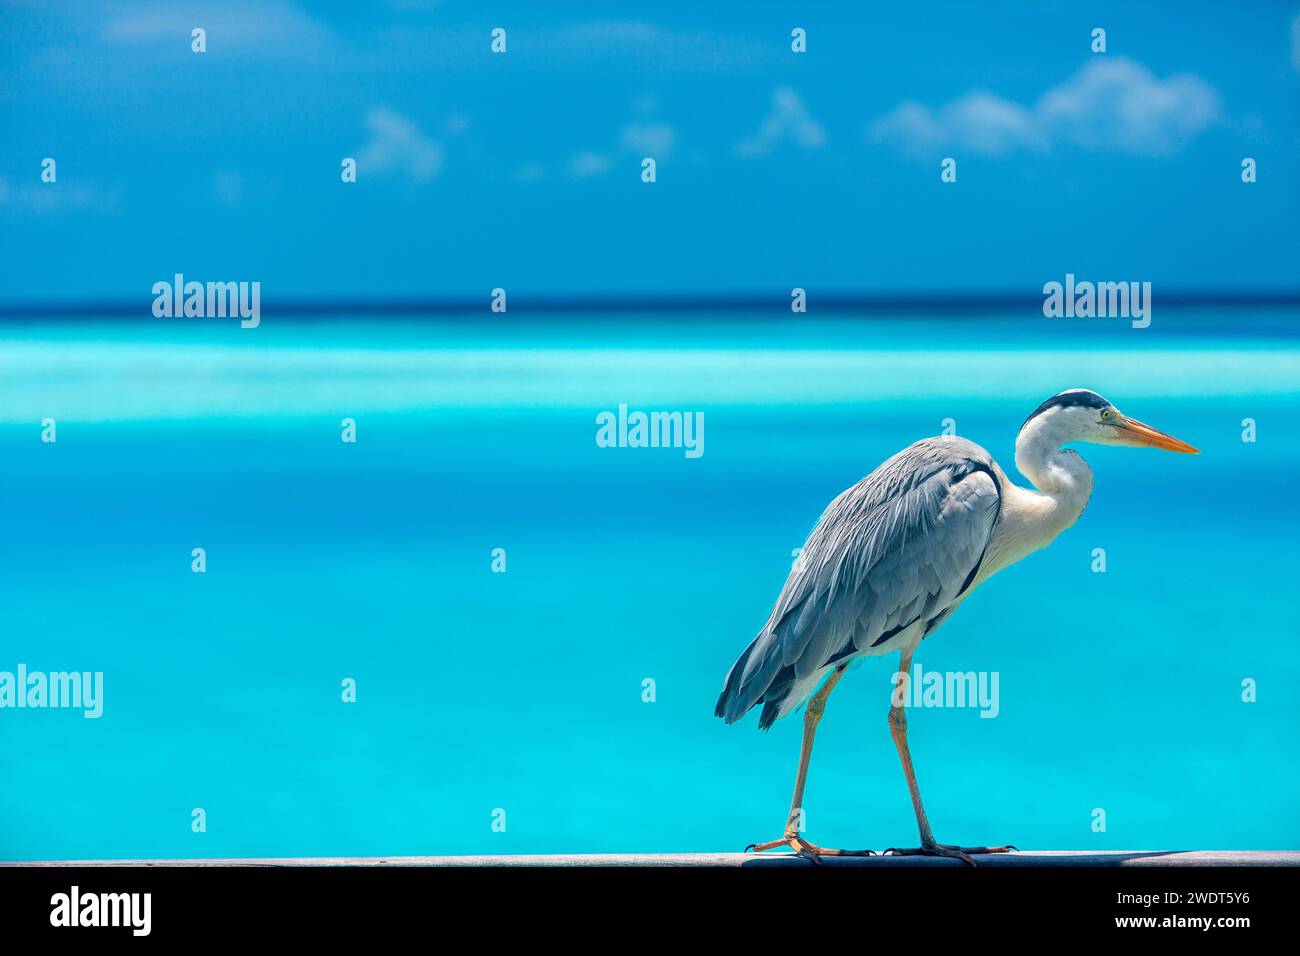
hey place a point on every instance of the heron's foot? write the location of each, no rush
(962, 853)
(809, 851)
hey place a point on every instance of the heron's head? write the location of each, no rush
(1081, 415)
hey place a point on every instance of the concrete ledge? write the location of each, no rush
(1033, 858)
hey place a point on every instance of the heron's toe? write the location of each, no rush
(937, 849)
(808, 852)
(801, 847)
(986, 849)
(786, 840)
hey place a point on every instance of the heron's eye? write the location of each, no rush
(1105, 414)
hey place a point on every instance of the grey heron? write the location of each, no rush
(893, 556)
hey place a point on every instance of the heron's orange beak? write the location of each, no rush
(1137, 433)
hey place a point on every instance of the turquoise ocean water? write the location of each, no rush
(522, 691)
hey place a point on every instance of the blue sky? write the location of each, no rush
(522, 170)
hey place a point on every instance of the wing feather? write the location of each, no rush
(899, 546)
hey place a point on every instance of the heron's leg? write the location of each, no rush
(898, 730)
(929, 846)
(811, 718)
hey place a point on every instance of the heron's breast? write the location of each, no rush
(1027, 522)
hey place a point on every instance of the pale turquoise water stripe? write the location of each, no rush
(141, 381)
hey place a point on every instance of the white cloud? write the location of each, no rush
(398, 146)
(587, 163)
(978, 121)
(1111, 103)
(787, 121)
(1119, 102)
(237, 25)
(648, 139)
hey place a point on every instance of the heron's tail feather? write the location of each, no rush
(758, 676)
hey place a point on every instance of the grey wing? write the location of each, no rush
(900, 546)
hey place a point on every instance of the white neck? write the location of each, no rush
(1031, 519)
(1062, 475)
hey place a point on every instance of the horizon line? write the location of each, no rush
(838, 303)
